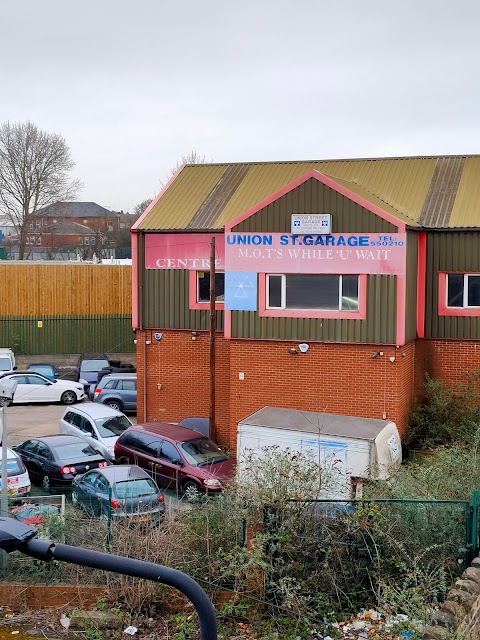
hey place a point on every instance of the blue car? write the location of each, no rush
(45, 369)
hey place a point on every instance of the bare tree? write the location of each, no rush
(139, 208)
(34, 173)
(193, 157)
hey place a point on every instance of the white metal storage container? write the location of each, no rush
(358, 449)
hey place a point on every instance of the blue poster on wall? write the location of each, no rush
(241, 290)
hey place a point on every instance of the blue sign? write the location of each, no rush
(241, 290)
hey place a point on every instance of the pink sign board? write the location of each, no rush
(183, 251)
(333, 253)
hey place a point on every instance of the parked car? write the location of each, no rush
(118, 391)
(176, 457)
(123, 492)
(89, 365)
(18, 480)
(33, 387)
(46, 369)
(53, 461)
(97, 424)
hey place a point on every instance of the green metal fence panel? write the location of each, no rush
(358, 548)
(60, 334)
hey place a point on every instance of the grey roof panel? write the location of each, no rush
(317, 423)
(438, 205)
(76, 210)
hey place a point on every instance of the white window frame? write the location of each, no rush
(283, 293)
(465, 305)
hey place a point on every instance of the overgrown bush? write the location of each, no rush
(447, 416)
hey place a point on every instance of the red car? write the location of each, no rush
(176, 458)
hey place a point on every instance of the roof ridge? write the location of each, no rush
(402, 213)
(325, 160)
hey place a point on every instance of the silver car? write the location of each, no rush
(98, 424)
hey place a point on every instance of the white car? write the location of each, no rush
(98, 424)
(18, 480)
(33, 387)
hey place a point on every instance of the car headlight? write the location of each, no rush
(78, 388)
(212, 482)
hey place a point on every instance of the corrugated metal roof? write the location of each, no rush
(466, 210)
(320, 424)
(415, 190)
(183, 198)
(438, 204)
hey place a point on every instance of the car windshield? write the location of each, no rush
(135, 488)
(14, 468)
(201, 451)
(114, 426)
(44, 369)
(75, 450)
(5, 364)
(93, 365)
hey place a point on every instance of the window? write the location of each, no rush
(31, 225)
(38, 225)
(92, 240)
(169, 452)
(32, 240)
(463, 290)
(312, 291)
(203, 287)
(27, 240)
(86, 241)
(39, 240)
(80, 241)
(458, 294)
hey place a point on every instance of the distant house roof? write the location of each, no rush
(66, 228)
(62, 228)
(76, 210)
(436, 192)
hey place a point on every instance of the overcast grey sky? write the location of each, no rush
(134, 85)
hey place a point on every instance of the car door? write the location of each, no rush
(46, 462)
(40, 390)
(88, 432)
(27, 451)
(70, 424)
(169, 466)
(128, 393)
(85, 492)
(145, 448)
(21, 392)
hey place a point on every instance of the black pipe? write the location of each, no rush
(45, 550)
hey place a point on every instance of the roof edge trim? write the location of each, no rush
(328, 182)
(155, 200)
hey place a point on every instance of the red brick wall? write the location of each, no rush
(25, 596)
(334, 378)
(447, 360)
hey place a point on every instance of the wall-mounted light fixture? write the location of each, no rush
(377, 354)
(292, 351)
(194, 335)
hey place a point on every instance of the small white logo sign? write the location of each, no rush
(306, 223)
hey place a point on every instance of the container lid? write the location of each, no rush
(318, 423)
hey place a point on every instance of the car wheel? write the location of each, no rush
(114, 404)
(46, 483)
(68, 397)
(191, 491)
(5, 402)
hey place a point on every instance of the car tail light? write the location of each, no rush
(115, 504)
(161, 498)
(96, 393)
(67, 470)
(102, 464)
